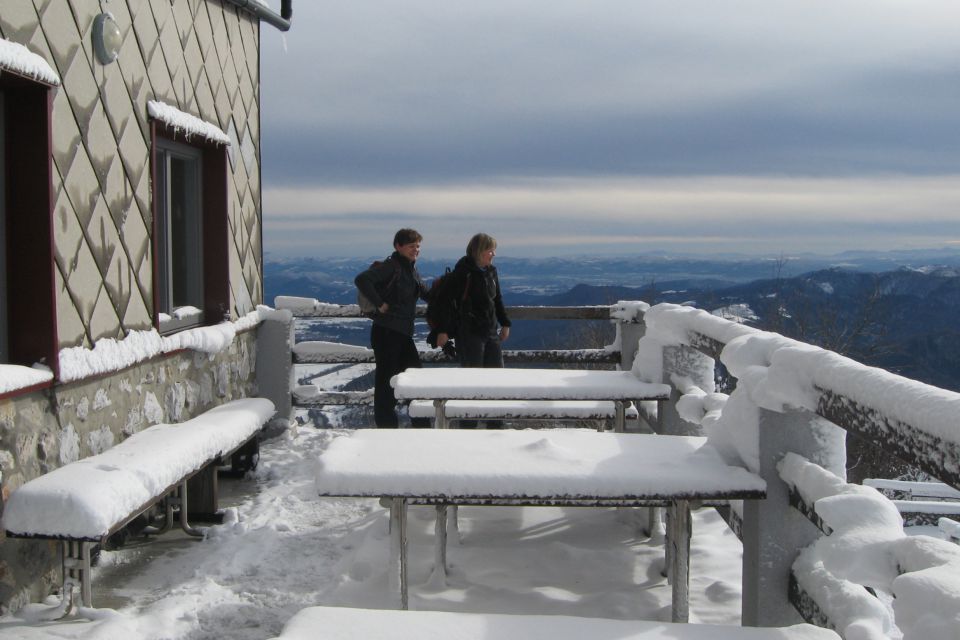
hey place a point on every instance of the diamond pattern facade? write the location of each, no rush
(201, 56)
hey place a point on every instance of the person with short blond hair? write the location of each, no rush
(483, 325)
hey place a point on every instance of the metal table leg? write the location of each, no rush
(680, 528)
(398, 548)
(620, 425)
(440, 415)
(440, 540)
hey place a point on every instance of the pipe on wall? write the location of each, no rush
(281, 21)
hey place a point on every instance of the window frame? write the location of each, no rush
(214, 277)
(168, 152)
(31, 328)
(4, 328)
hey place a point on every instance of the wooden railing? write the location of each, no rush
(774, 531)
(303, 353)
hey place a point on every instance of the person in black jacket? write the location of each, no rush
(393, 286)
(483, 322)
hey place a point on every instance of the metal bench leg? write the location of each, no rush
(76, 568)
(440, 540)
(680, 528)
(398, 548)
(185, 514)
(167, 506)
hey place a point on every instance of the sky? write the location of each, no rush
(581, 128)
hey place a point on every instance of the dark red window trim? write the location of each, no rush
(32, 319)
(216, 257)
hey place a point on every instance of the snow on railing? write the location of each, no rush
(813, 391)
(950, 529)
(867, 548)
(910, 419)
(305, 307)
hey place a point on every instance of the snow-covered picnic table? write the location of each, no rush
(537, 468)
(442, 384)
(341, 623)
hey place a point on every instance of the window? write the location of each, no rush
(179, 228)
(27, 285)
(191, 277)
(4, 340)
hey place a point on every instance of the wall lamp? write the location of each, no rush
(106, 38)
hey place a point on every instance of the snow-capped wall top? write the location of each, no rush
(190, 125)
(19, 59)
(110, 355)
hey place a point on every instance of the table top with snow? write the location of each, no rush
(564, 465)
(341, 623)
(524, 384)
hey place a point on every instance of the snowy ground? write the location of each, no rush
(282, 549)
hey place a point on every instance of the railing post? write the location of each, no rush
(274, 370)
(630, 332)
(685, 362)
(773, 532)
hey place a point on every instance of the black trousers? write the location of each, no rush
(476, 350)
(394, 352)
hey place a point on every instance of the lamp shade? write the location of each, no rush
(106, 38)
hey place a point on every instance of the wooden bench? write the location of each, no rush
(341, 623)
(444, 385)
(522, 410)
(561, 467)
(85, 502)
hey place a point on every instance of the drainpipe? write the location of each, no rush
(281, 21)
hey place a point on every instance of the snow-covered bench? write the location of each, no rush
(340, 623)
(85, 502)
(920, 503)
(444, 385)
(560, 467)
(522, 410)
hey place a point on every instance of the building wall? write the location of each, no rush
(201, 56)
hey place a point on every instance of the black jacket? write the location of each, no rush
(482, 307)
(396, 282)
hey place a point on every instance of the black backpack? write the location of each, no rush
(444, 305)
(366, 305)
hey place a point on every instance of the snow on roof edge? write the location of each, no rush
(17, 58)
(189, 124)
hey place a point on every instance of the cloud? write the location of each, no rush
(694, 199)
(562, 123)
(628, 213)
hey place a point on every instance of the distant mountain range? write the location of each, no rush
(894, 310)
